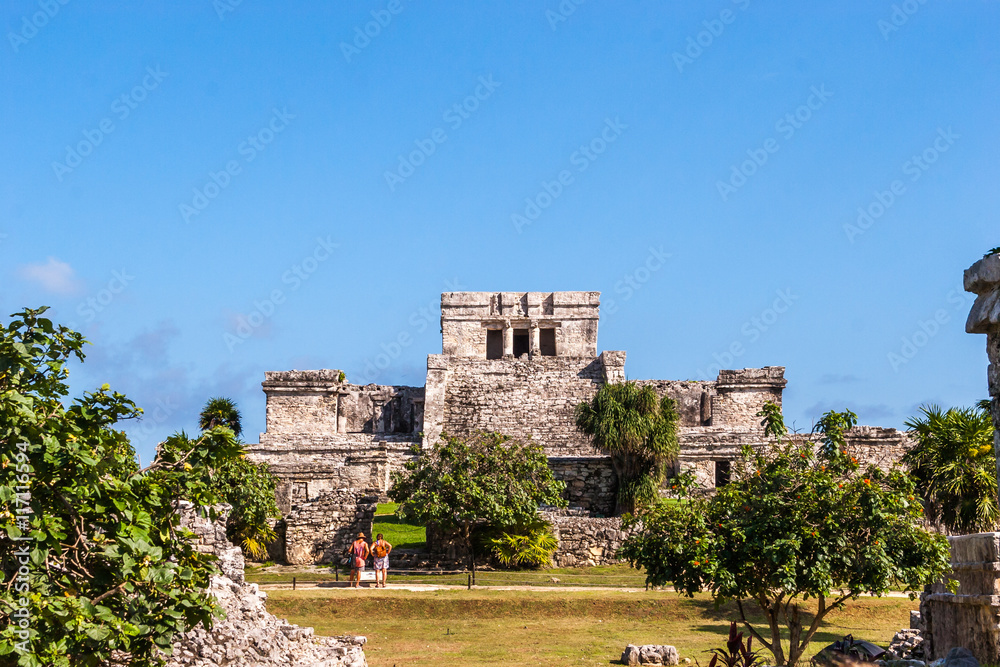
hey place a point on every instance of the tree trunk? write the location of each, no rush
(467, 533)
(772, 619)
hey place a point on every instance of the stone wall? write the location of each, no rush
(740, 395)
(249, 636)
(317, 465)
(591, 483)
(318, 532)
(467, 316)
(583, 539)
(523, 398)
(970, 617)
(693, 398)
(310, 404)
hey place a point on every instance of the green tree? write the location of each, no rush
(955, 466)
(221, 411)
(487, 479)
(94, 564)
(793, 526)
(639, 430)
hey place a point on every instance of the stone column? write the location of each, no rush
(971, 617)
(508, 339)
(983, 279)
(536, 347)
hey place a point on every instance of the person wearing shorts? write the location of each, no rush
(380, 551)
(359, 554)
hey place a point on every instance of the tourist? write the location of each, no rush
(380, 551)
(359, 554)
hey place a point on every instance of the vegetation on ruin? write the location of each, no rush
(528, 628)
(795, 529)
(994, 251)
(221, 411)
(639, 430)
(93, 561)
(247, 486)
(487, 479)
(954, 466)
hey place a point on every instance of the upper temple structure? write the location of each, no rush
(517, 363)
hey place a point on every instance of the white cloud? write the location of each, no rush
(54, 276)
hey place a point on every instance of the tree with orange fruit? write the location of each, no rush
(797, 527)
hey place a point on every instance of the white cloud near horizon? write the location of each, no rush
(54, 276)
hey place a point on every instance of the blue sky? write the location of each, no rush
(212, 190)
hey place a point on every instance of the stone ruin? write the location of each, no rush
(249, 636)
(513, 362)
(970, 618)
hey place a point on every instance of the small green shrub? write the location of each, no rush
(528, 547)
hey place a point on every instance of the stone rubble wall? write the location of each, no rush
(249, 636)
(318, 532)
(591, 483)
(584, 540)
(968, 618)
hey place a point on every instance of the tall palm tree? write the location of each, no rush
(955, 467)
(639, 430)
(221, 411)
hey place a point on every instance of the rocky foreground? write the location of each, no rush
(249, 636)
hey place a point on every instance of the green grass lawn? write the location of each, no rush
(397, 532)
(520, 628)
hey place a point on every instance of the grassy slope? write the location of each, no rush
(543, 627)
(399, 534)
